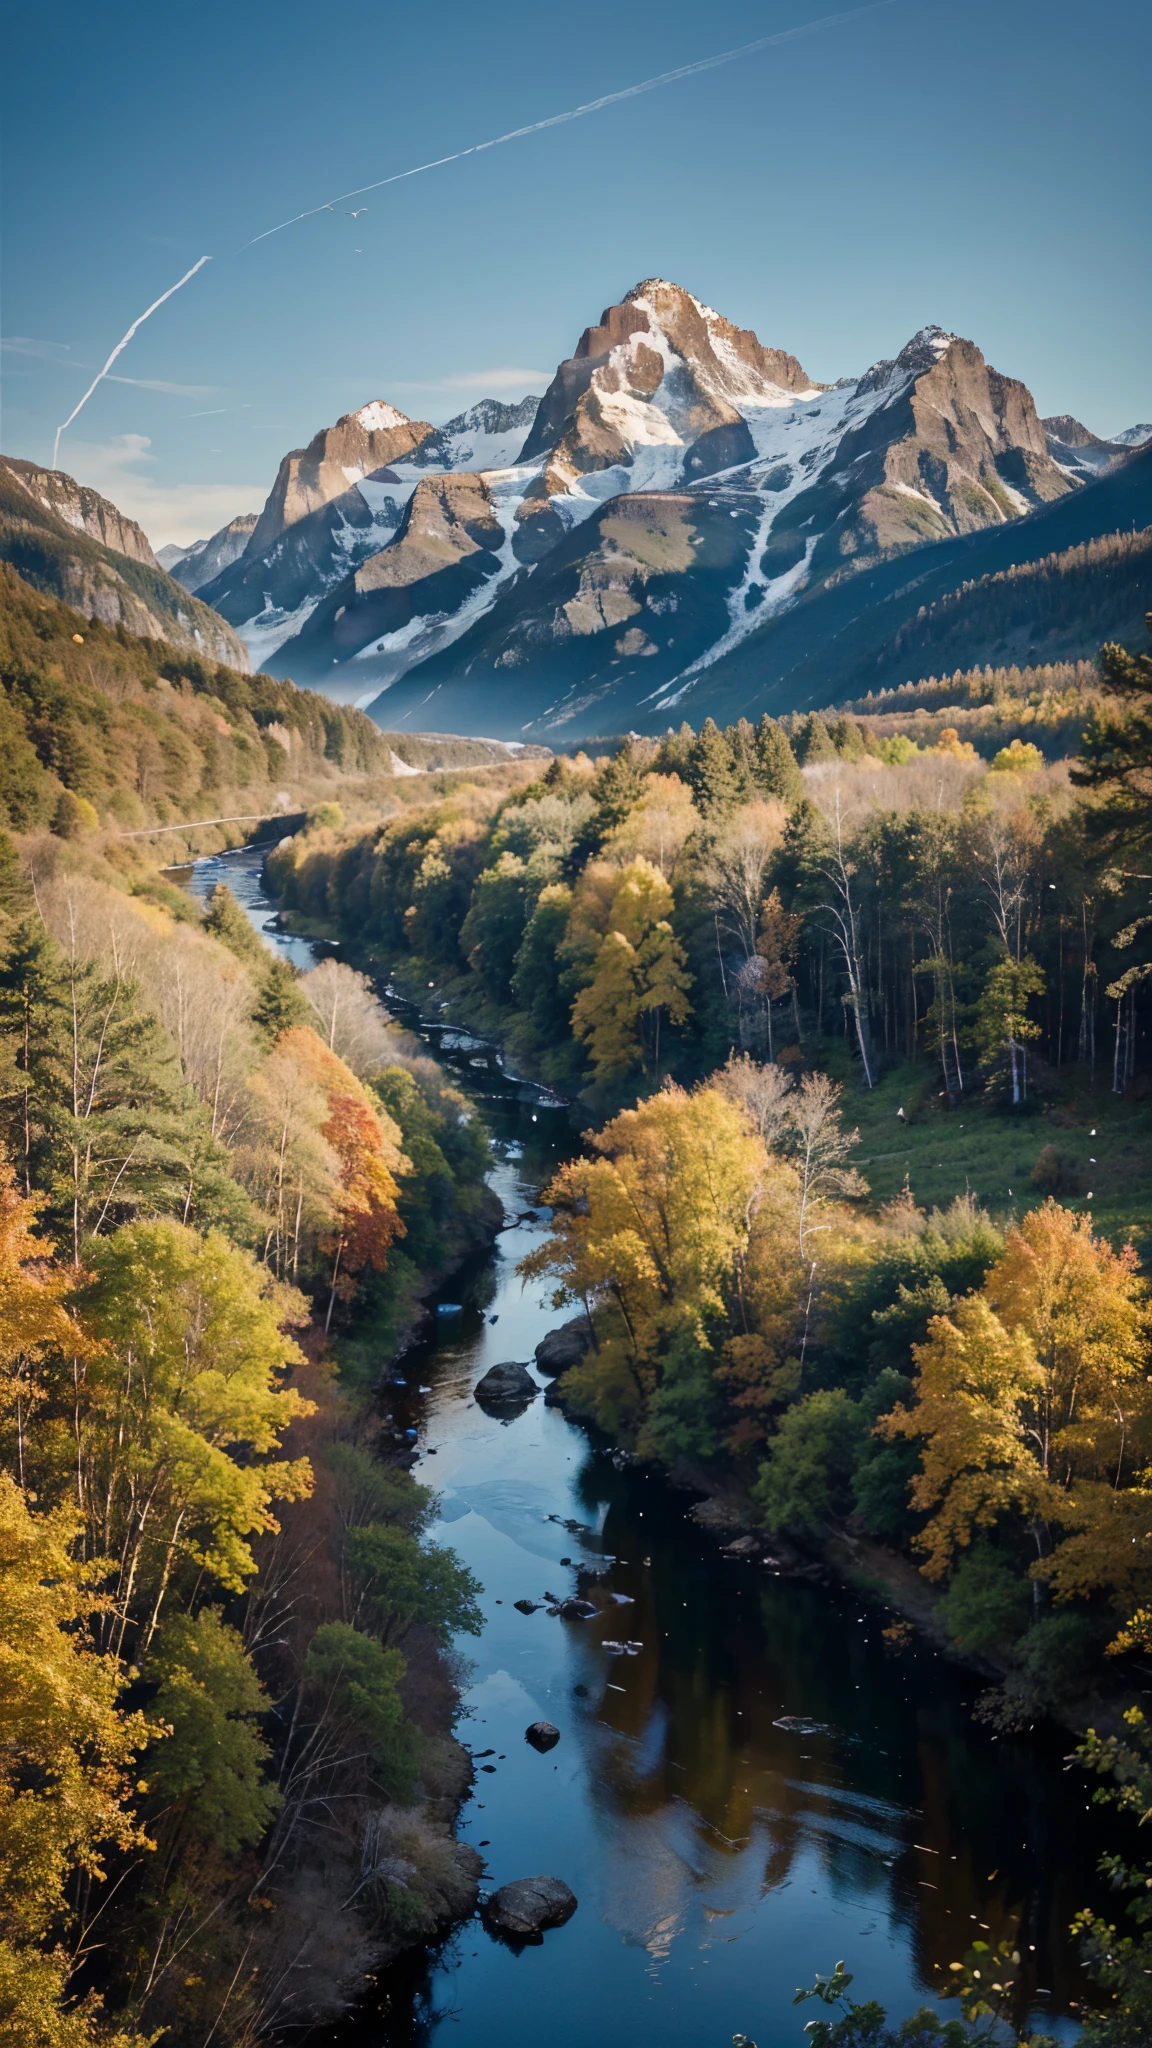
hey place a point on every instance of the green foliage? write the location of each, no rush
(494, 927)
(986, 1604)
(104, 716)
(355, 1682)
(100, 1119)
(281, 1004)
(401, 1582)
(807, 1474)
(212, 1765)
(225, 920)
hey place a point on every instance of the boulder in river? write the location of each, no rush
(506, 1386)
(526, 1606)
(523, 1909)
(563, 1347)
(576, 1610)
(542, 1735)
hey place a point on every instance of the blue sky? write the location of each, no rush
(984, 166)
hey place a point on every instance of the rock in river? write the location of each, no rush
(542, 1735)
(563, 1347)
(524, 1908)
(506, 1385)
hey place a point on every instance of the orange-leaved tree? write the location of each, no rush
(367, 1147)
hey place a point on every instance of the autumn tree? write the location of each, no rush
(177, 1414)
(1031, 1400)
(649, 1234)
(639, 976)
(366, 1145)
(66, 1776)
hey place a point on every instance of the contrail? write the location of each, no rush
(121, 345)
(608, 99)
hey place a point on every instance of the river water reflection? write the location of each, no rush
(719, 1857)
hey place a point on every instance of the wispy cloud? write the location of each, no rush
(60, 352)
(508, 379)
(171, 390)
(118, 468)
(47, 351)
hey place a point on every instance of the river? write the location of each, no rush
(719, 1857)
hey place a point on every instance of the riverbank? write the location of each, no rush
(845, 1552)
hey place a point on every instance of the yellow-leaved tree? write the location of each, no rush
(652, 1235)
(65, 1771)
(1031, 1398)
(639, 975)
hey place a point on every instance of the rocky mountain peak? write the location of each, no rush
(85, 510)
(1135, 437)
(659, 392)
(335, 459)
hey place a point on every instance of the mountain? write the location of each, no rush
(205, 559)
(1135, 437)
(74, 545)
(1083, 454)
(340, 501)
(84, 510)
(633, 541)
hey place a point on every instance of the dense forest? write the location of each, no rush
(727, 943)
(228, 1779)
(225, 1188)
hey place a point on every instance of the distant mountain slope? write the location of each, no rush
(1083, 453)
(619, 583)
(195, 566)
(55, 550)
(148, 733)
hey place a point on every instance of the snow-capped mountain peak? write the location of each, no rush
(377, 417)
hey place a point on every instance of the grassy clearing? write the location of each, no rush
(1106, 1142)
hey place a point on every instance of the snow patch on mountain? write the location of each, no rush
(393, 654)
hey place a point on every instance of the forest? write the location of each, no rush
(226, 1635)
(732, 946)
(225, 1189)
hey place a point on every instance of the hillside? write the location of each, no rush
(146, 733)
(48, 533)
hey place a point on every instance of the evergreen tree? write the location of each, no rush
(776, 769)
(100, 1120)
(617, 787)
(281, 1004)
(227, 922)
(813, 742)
(712, 772)
(848, 739)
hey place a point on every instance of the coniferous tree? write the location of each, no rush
(281, 1004)
(712, 773)
(227, 922)
(776, 768)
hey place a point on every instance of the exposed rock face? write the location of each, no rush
(336, 458)
(86, 510)
(524, 1908)
(488, 436)
(506, 1385)
(679, 488)
(1080, 453)
(197, 565)
(102, 582)
(563, 1347)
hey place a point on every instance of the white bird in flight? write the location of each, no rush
(355, 212)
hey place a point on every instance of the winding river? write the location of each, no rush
(750, 1783)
